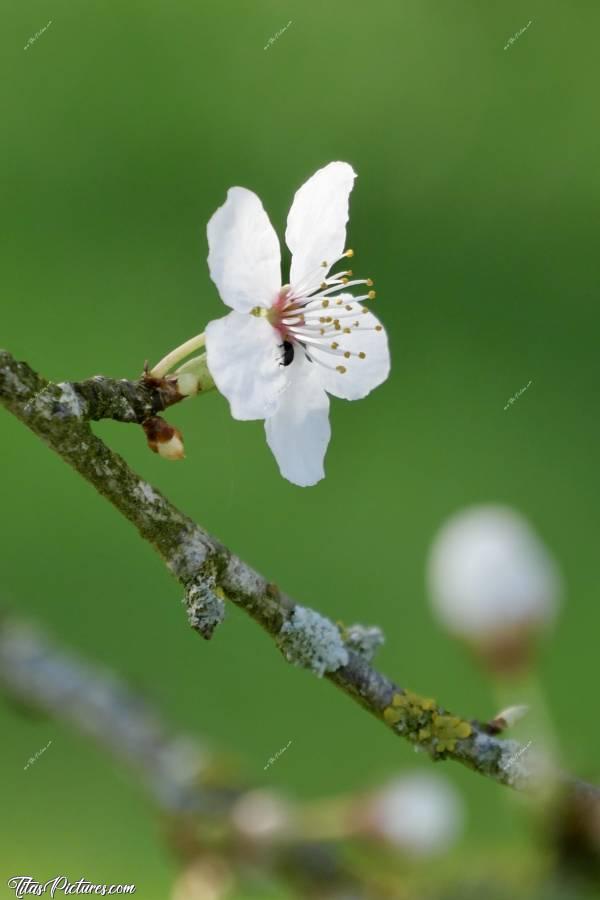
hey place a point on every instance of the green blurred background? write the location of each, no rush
(475, 211)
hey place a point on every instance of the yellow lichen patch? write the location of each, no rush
(414, 702)
(391, 715)
(464, 730)
(447, 730)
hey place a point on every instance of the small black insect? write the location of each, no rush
(288, 353)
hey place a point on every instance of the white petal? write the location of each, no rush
(243, 252)
(299, 432)
(316, 225)
(361, 375)
(243, 353)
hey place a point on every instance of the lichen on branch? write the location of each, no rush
(209, 572)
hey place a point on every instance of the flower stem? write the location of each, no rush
(171, 359)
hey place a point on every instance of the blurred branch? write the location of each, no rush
(95, 702)
(186, 780)
(210, 573)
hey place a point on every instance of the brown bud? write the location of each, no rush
(163, 438)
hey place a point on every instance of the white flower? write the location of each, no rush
(284, 348)
(489, 573)
(419, 813)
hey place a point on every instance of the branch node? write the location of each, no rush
(309, 640)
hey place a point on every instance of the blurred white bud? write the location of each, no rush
(490, 576)
(205, 879)
(258, 815)
(421, 813)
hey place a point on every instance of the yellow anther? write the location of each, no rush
(369, 282)
(341, 369)
(322, 330)
(371, 295)
(338, 302)
(347, 331)
(329, 319)
(325, 304)
(323, 285)
(335, 345)
(349, 272)
(349, 254)
(362, 355)
(324, 264)
(365, 310)
(349, 307)
(379, 328)
(347, 354)
(344, 281)
(322, 319)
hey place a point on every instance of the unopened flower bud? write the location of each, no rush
(206, 878)
(493, 583)
(419, 813)
(188, 384)
(163, 438)
(259, 815)
(508, 718)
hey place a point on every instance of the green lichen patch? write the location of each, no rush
(310, 640)
(363, 639)
(204, 601)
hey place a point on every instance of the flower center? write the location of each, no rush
(308, 319)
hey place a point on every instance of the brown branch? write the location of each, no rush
(210, 573)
